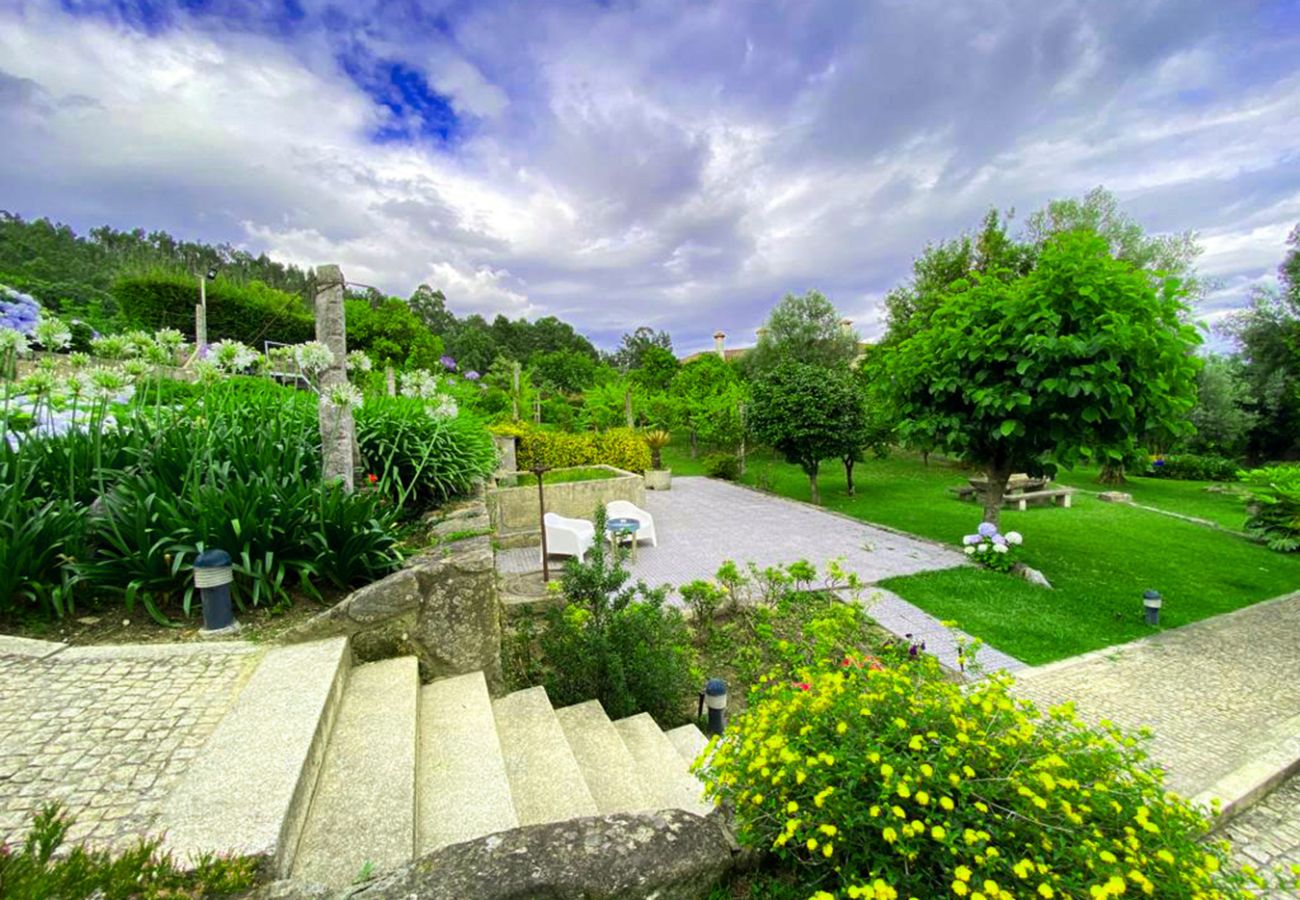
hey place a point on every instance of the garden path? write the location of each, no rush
(107, 730)
(702, 522)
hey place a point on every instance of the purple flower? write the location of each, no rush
(1159, 462)
(970, 539)
(987, 529)
(448, 363)
(999, 539)
(472, 375)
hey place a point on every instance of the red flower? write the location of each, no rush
(803, 685)
(372, 478)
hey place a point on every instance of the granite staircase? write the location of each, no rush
(330, 772)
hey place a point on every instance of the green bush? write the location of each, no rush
(392, 335)
(43, 868)
(251, 313)
(722, 465)
(1274, 506)
(614, 642)
(622, 448)
(1194, 467)
(878, 779)
(420, 459)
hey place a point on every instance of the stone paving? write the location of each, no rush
(1218, 693)
(1267, 836)
(702, 521)
(107, 730)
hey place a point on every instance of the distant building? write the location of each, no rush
(732, 353)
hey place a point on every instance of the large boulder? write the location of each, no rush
(669, 855)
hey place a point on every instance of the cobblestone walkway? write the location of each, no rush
(1218, 693)
(1267, 836)
(107, 730)
(702, 521)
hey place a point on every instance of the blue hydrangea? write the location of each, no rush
(18, 311)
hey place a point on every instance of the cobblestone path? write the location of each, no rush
(1267, 836)
(703, 521)
(107, 730)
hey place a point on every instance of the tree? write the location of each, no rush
(1268, 333)
(431, 307)
(807, 328)
(631, 353)
(391, 333)
(704, 391)
(566, 371)
(1289, 271)
(1073, 361)
(805, 412)
(656, 369)
(1222, 415)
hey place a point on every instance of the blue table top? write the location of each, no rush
(622, 526)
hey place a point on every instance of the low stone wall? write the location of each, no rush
(514, 509)
(442, 607)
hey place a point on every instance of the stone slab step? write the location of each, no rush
(248, 790)
(665, 778)
(689, 741)
(364, 808)
(462, 788)
(607, 766)
(546, 783)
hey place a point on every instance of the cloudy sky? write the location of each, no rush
(677, 163)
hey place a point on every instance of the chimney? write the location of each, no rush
(719, 339)
(846, 325)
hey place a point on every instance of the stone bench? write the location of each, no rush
(1059, 496)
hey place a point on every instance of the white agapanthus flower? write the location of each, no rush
(206, 372)
(345, 396)
(358, 361)
(110, 346)
(445, 408)
(109, 384)
(77, 384)
(135, 369)
(1014, 537)
(39, 383)
(313, 357)
(232, 356)
(79, 360)
(169, 339)
(970, 550)
(52, 334)
(419, 383)
(13, 342)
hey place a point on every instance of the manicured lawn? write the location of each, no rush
(1100, 557)
(1188, 498)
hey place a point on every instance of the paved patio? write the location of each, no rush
(702, 522)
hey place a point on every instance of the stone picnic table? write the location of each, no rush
(1021, 488)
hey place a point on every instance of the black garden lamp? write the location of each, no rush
(1151, 603)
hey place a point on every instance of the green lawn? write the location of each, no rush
(1100, 557)
(1188, 498)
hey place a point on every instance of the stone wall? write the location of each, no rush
(442, 607)
(514, 509)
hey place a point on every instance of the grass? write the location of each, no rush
(1100, 557)
(1188, 498)
(561, 476)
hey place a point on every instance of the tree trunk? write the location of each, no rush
(925, 457)
(1112, 473)
(815, 495)
(627, 407)
(848, 473)
(693, 444)
(994, 492)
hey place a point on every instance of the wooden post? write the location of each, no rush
(741, 408)
(337, 430)
(627, 407)
(514, 393)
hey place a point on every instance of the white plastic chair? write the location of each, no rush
(568, 537)
(624, 509)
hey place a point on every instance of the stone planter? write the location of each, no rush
(659, 480)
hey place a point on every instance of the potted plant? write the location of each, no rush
(658, 478)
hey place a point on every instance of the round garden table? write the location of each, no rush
(618, 529)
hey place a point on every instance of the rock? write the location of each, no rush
(291, 890)
(88, 620)
(669, 855)
(1115, 497)
(1033, 576)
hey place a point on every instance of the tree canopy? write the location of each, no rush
(1078, 359)
(805, 327)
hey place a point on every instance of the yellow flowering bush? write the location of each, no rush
(885, 780)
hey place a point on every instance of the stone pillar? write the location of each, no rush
(337, 430)
(719, 344)
(390, 381)
(514, 392)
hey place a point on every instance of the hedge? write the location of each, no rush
(619, 447)
(251, 313)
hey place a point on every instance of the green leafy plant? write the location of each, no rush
(879, 778)
(249, 312)
(1274, 506)
(657, 439)
(622, 448)
(44, 867)
(722, 465)
(1194, 467)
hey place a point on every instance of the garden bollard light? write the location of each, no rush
(1151, 602)
(212, 576)
(715, 698)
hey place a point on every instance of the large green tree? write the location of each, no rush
(806, 327)
(808, 413)
(1223, 417)
(707, 394)
(1075, 360)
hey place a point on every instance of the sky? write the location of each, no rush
(680, 164)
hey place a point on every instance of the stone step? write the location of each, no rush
(607, 766)
(689, 741)
(462, 790)
(363, 813)
(664, 775)
(248, 790)
(546, 783)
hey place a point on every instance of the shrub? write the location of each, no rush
(890, 781)
(43, 867)
(251, 313)
(1194, 467)
(992, 549)
(1274, 506)
(420, 458)
(392, 334)
(622, 448)
(615, 642)
(722, 465)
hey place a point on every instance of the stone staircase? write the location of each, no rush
(328, 771)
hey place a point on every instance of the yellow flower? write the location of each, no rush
(792, 807)
(916, 743)
(758, 799)
(937, 832)
(946, 803)
(828, 849)
(890, 835)
(962, 873)
(811, 843)
(841, 728)
(959, 888)
(1166, 856)
(829, 830)
(904, 791)
(1045, 890)
(886, 770)
(922, 797)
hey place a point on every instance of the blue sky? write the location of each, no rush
(678, 164)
